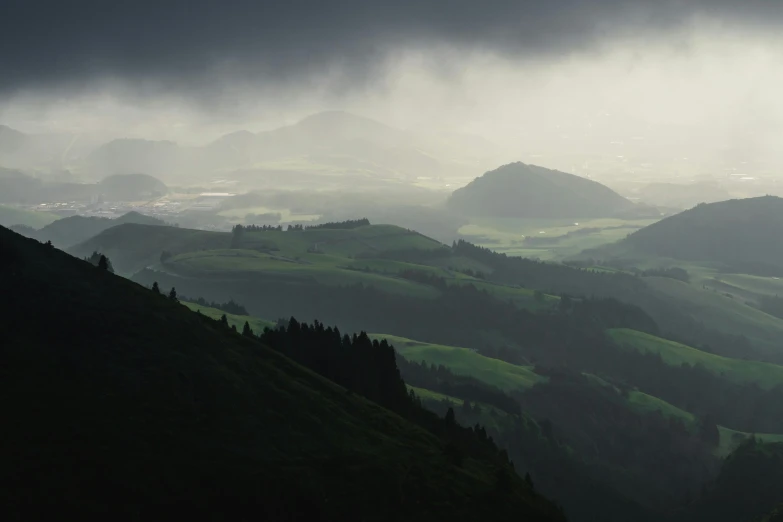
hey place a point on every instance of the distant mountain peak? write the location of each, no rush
(528, 191)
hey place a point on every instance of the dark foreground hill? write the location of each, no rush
(527, 191)
(740, 234)
(117, 400)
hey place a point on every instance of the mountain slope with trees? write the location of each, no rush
(128, 399)
(739, 235)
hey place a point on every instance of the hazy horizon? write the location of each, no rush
(686, 86)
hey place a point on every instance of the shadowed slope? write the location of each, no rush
(128, 400)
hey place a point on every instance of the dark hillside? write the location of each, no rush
(127, 402)
(149, 242)
(750, 484)
(741, 234)
(527, 191)
(70, 231)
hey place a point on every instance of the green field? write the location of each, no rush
(342, 242)
(10, 216)
(643, 403)
(338, 257)
(508, 235)
(747, 287)
(464, 361)
(256, 324)
(326, 271)
(739, 371)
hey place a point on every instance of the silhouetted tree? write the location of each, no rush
(173, 294)
(246, 330)
(450, 418)
(49, 243)
(224, 320)
(236, 236)
(100, 260)
(155, 288)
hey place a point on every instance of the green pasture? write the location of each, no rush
(464, 361)
(739, 371)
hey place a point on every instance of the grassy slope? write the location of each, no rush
(764, 374)
(489, 414)
(256, 324)
(643, 403)
(129, 399)
(10, 216)
(509, 377)
(324, 270)
(290, 256)
(722, 313)
(463, 361)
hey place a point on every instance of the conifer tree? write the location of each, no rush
(246, 330)
(103, 263)
(155, 288)
(173, 294)
(224, 320)
(450, 418)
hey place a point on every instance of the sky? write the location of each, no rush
(556, 77)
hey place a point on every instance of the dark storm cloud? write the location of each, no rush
(194, 45)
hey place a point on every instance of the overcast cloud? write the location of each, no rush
(695, 79)
(197, 46)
